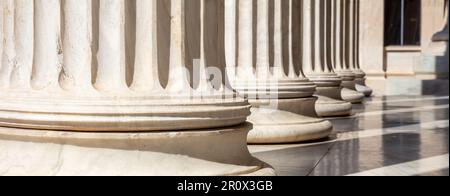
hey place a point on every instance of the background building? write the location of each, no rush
(398, 52)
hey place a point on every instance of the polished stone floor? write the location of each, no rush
(397, 136)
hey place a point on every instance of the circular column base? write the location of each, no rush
(331, 92)
(364, 90)
(213, 152)
(128, 114)
(360, 86)
(277, 126)
(302, 106)
(328, 107)
(352, 96)
(350, 84)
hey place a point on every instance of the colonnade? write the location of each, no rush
(174, 77)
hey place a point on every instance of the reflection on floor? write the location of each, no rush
(399, 136)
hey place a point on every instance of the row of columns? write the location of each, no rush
(39, 54)
(328, 69)
(61, 69)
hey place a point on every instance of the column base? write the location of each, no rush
(364, 90)
(331, 92)
(277, 126)
(328, 107)
(352, 96)
(301, 106)
(350, 84)
(360, 86)
(213, 152)
(127, 114)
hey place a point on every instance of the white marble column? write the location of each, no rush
(342, 53)
(280, 100)
(316, 59)
(99, 114)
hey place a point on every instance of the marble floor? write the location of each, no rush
(393, 136)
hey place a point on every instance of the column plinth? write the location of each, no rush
(125, 128)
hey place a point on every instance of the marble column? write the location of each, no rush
(343, 53)
(105, 125)
(317, 63)
(282, 98)
(360, 79)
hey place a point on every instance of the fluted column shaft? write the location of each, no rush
(342, 66)
(47, 74)
(316, 44)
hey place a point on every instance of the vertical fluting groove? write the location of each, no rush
(349, 32)
(352, 34)
(308, 38)
(146, 77)
(230, 41)
(230, 37)
(9, 51)
(332, 32)
(24, 40)
(47, 44)
(339, 36)
(357, 35)
(278, 68)
(326, 35)
(346, 34)
(292, 73)
(76, 74)
(318, 37)
(111, 55)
